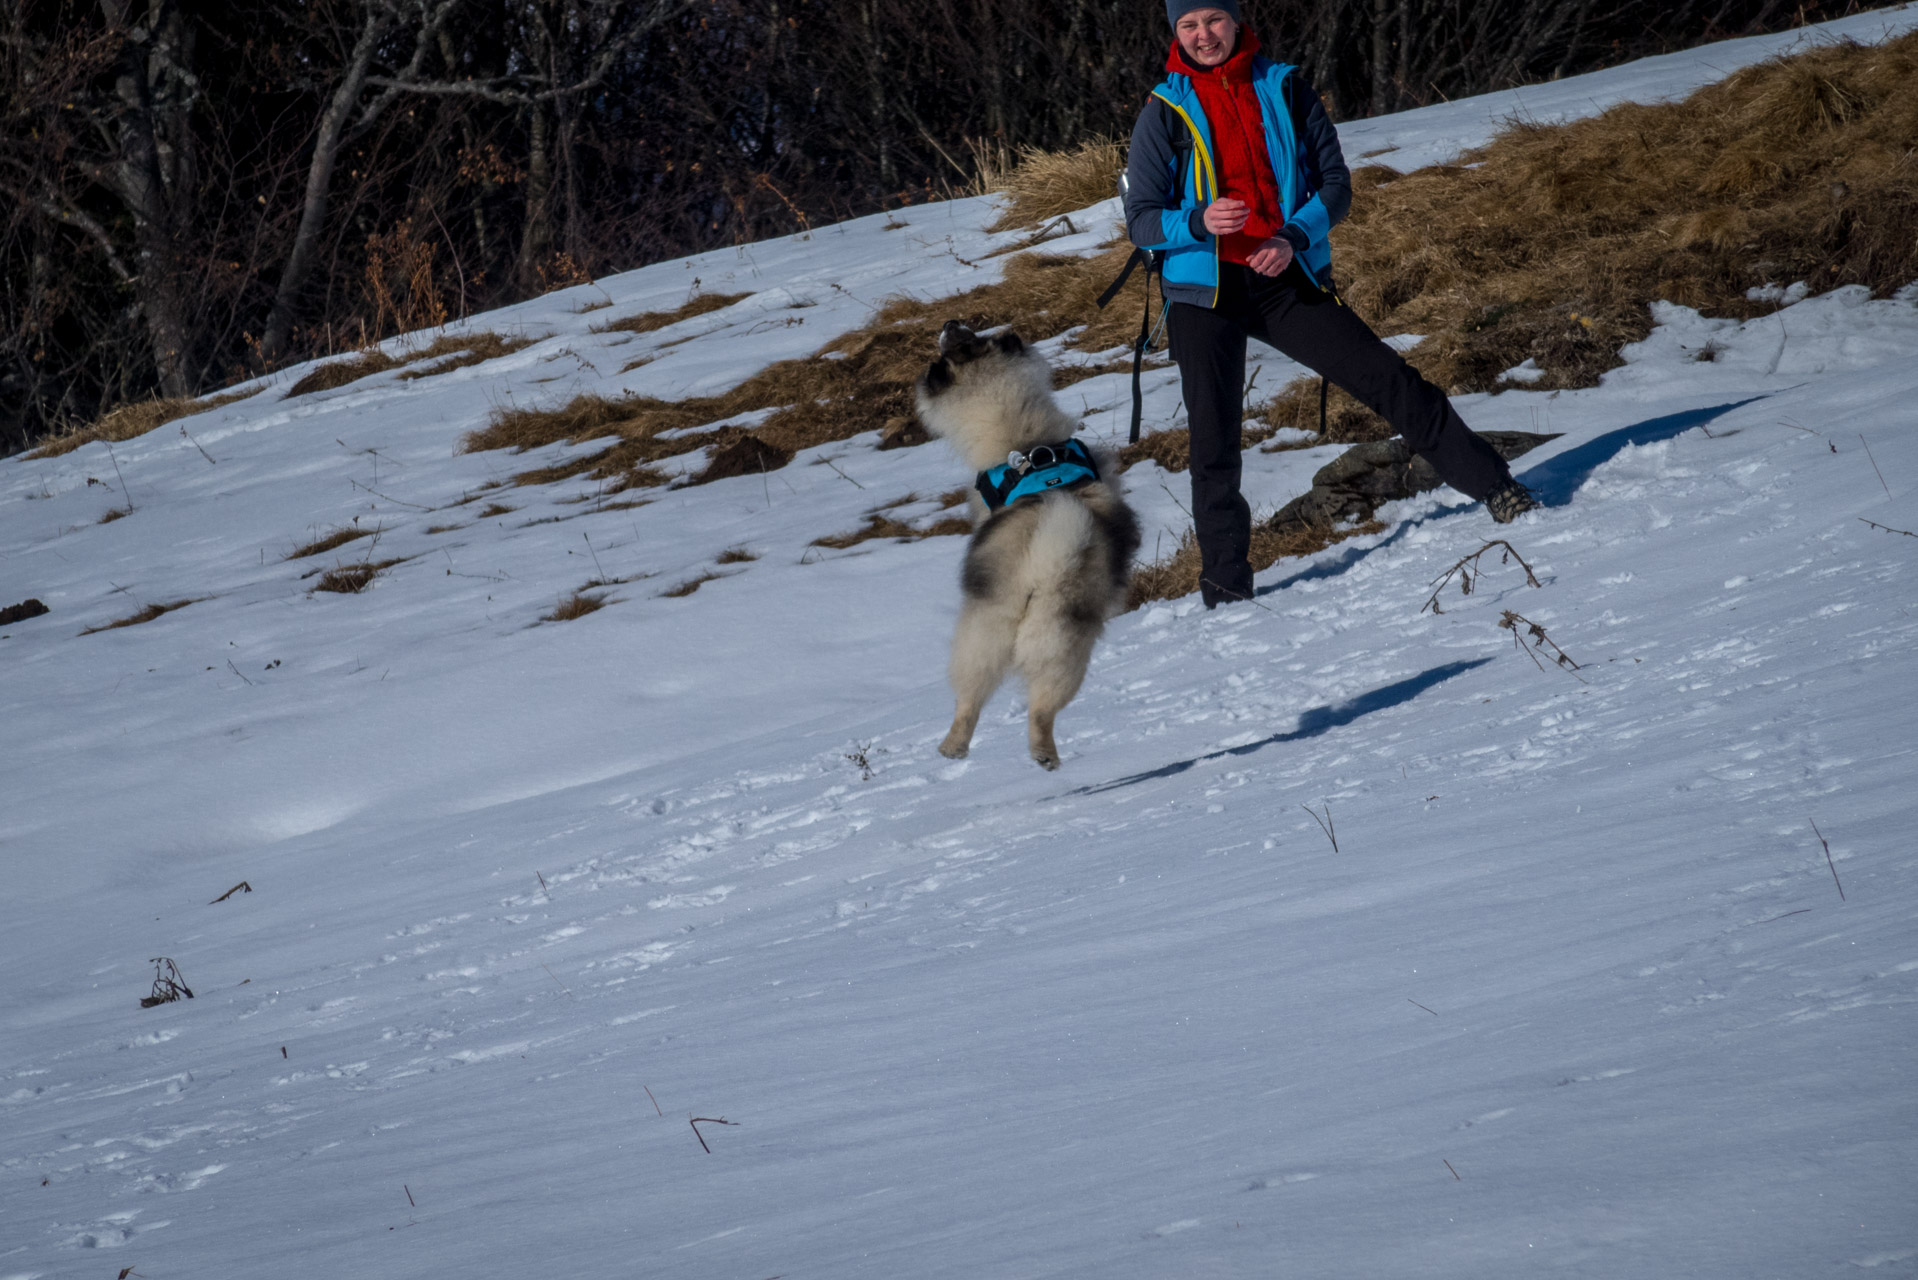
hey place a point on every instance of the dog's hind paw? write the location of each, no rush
(1048, 763)
(954, 750)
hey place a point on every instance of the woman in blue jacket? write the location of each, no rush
(1237, 176)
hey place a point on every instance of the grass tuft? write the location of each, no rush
(689, 586)
(351, 579)
(147, 614)
(338, 538)
(463, 349)
(577, 605)
(648, 321)
(1047, 184)
(131, 420)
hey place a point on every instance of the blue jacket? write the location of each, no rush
(1168, 189)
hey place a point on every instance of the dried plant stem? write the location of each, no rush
(1454, 1172)
(1510, 621)
(1325, 823)
(1874, 464)
(1888, 529)
(1468, 572)
(242, 887)
(1410, 1000)
(655, 1102)
(696, 1121)
(1828, 862)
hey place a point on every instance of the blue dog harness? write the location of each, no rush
(1026, 475)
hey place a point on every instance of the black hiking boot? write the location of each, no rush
(1510, 501)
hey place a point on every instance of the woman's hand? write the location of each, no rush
(1223, 217)
(1272, 257)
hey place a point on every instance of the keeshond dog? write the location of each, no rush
(1052, 541)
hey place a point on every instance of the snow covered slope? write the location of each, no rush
(1566, 982)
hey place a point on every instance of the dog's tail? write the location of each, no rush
(1069, 575)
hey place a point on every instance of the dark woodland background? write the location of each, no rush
(192, 191)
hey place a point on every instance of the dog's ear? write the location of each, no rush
(1009, 344)
(938, 377)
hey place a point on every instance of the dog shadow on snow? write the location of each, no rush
(1555, 481)
(1312, 723)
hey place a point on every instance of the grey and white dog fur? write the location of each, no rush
(1042, 574)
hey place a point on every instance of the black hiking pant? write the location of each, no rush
(1287, 312)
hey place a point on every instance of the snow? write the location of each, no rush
(1577, 990)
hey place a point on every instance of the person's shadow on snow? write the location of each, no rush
(1557, 478)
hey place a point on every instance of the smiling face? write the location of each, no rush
(1206, 36)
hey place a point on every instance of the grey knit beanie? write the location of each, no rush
(1176, 9)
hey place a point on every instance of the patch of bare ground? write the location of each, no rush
(1180, 574)
(131, 420)
(451, 350)
(647, 321)
(351, 579)
(148, 614)
(326, 542)
(577, 605)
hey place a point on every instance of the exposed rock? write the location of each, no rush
(1367, 476)
(28, 608)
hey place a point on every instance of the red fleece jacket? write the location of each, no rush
(1238, 143)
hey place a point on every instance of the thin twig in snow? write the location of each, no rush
(842, 475)
(696, 1121)
(1874, 463)
(1325, 823)
(655, 1102)
(1410, 1000)
(1454, 1172)
(197, 445)
(1828, 862)
(1888, 529)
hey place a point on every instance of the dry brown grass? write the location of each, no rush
(577, 605)
(1800, 169)
(326, 542)
(736, 555)
(147, 614)
(1178, 575)
(337, 373)
(647, 321)
(115, 513)
(689, 586)
(463, 349)
(1046, 184)
(131, 420)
